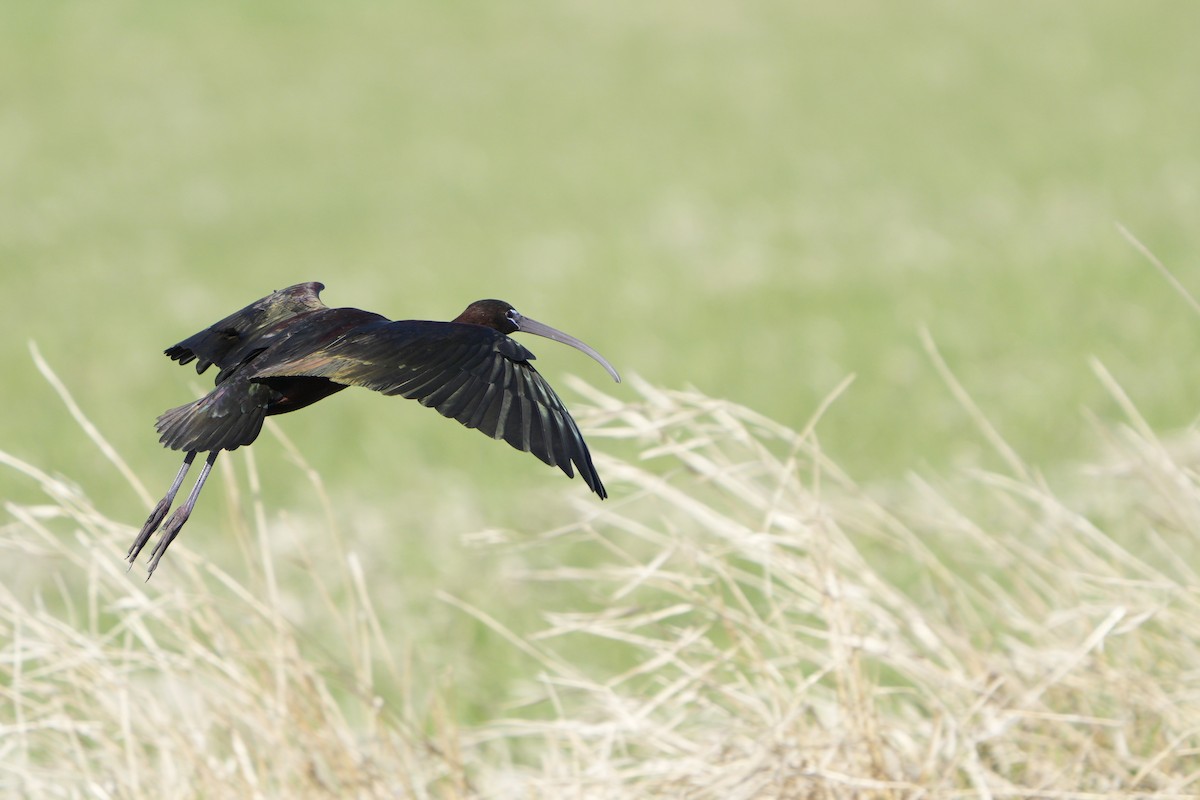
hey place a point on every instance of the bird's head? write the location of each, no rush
(491, 314)
(501, 316)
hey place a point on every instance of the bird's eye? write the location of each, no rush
(513, 316)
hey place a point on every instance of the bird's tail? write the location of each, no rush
(220, 420)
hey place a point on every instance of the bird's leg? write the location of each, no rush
(156, 516)
(175, 523)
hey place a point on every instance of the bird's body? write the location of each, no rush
(289, 350)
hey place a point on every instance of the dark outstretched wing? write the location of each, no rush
(470, 373)
(224, 343)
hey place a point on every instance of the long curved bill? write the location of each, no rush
(527, 325)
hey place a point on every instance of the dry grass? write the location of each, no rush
(747, 623)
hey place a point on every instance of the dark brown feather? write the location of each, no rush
(288, 350)
(469, 373)
(223, 343)
(228, 417)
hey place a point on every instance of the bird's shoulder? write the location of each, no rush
(373, 351)
(412, 338)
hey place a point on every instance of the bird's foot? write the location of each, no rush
(152, 522)
(169, 532)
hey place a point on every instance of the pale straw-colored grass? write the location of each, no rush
(742, 621)
(795, 636)
(195, 686)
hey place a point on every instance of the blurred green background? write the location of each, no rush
(756, 199)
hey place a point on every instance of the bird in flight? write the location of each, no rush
(289, 350)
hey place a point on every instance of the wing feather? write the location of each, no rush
(222, 342)
(470, 373)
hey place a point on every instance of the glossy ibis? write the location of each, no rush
(289, 350)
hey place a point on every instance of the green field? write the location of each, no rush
(756, 200)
